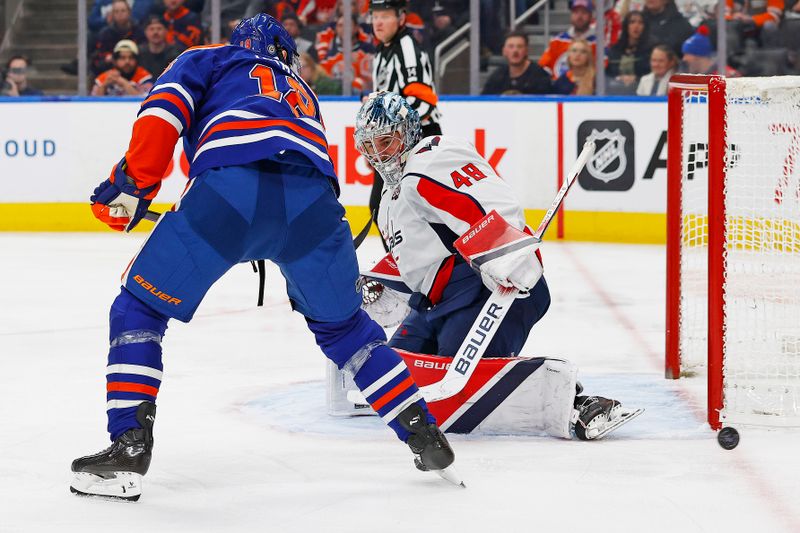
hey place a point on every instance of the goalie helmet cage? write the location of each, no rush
(733, 244)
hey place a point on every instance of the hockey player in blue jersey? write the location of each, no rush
(262, 186)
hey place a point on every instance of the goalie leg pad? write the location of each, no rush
(509, 396)
(512, 396)
(134, 367)
(380, 374)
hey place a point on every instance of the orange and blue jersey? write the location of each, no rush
(258, 108)
(183, 27)
(554, 59)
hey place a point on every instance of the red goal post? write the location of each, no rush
(733, 244)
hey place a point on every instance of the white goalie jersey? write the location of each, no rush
(447, 186)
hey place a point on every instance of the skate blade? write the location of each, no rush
(622, 417)
(450, 474)
(125, 486)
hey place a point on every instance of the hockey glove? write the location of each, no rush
(502, 254)
(119, 203)
(385, 306)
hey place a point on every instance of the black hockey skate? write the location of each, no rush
(431, 450)
(117, 471)
(598, 416)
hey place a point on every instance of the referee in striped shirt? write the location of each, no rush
(403, 67)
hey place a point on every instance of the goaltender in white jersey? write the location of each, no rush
(446, 187)
(439, 190)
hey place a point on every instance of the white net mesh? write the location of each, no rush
(762, 269)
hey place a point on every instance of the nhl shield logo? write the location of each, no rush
(611, 168)
(608, 162)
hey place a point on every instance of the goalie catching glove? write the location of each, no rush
(385, 306)
(501, 253)
(119, 203)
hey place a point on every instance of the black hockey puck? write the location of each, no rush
(728, 438)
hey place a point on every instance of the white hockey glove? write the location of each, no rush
(502, 254)
(385, 306)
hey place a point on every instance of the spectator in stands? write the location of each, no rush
(613, 26)
(155, 54)
(629, 59)
(183, 26)
(521, 76)
(316, 77)
(580, 78)
(326, 38)
(362, 56)
(293, 26)
(14, 79)
(325, 12)
(302, 8)
(698, 56)
(663, 64)
(416, 26)
(101, 15)
(758, 21)
(122, 27)
(126, 78)
(443, 26)
(554, 59)
(666, 24)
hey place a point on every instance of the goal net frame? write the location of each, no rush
(713, 91)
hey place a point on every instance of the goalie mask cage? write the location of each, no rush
(733, 244)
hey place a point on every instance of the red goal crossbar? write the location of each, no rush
(714, 89)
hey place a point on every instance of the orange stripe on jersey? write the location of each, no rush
(131, 387)
(421, 91)
(392, 394)
(150, 151)
(169, 97)
(252, 124)
(204, 46)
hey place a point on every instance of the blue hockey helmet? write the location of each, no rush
(264, 35)
(387, 128)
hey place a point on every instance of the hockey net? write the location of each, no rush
(733, 244)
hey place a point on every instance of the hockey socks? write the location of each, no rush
(357, 346)
(134, 367)
(386, 383)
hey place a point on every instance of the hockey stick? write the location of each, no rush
(494, 310)
(364, 231)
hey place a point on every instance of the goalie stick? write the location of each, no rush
(488, 321)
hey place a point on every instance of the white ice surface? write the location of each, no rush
(243, 443)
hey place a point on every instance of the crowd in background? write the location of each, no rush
(132, 41)
(647, 42)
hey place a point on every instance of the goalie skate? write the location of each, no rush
(596, 417)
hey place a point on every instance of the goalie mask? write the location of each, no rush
(387, 128)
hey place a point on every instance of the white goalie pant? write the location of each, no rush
(505, 396)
